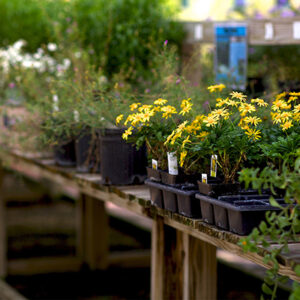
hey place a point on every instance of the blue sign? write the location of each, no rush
(231, 54)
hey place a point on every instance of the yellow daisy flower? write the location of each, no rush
(119, 118)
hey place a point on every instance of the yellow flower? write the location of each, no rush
(259, 102)
(279, 104)
(245, 108)
(145, 107)
(296, 117)
(280, 96)
(203, 135)
(182, 157)
(129, 119)
(160, 101)
(127, 133)
(292, 98)
(186, 106)
(221, 112)
(211, 120)
(287, 125)
(134, 106)
(119, 118)
(187, 140)
(168, 111)
(137, 118)
(147, 115)
(296, 109)
(253, 134)
(276, 117)
(217, 87)
(238, 95)
(253, 120)
(294, 93)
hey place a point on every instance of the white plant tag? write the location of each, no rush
(172, 163)
(198, 32)
(296, 30)
(269, 31)
(204, 178)
(154, 164)
(55, 103)
(76, 116)
(213, 166)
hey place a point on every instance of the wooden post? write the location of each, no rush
(166, 262)
(182, 267)
(200, 269)
(92, 241)
(3, 237)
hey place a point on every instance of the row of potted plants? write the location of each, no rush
(194, 154)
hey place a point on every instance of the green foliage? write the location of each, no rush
(23, 20)
(126, 32)
(280, 227)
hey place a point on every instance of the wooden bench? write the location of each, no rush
(183, 260)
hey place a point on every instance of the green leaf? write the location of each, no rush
(274, 203)
(266, 289)
(297, 270)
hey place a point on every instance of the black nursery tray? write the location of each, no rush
(238, 213)
(178, 199)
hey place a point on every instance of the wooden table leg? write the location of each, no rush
(200, 269)
(166, 262)
(182, 267)
(92, 244)
(3, 237)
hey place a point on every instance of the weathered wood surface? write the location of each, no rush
(137, 200)
(8, 293)
(283, 33)
(3, 237)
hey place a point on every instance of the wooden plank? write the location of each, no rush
(8, 293)
(282, 31)
(95, 234)
(200, 269)
(43, 265)
(3, 237)
(130, 259)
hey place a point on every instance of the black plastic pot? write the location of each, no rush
(64, 154)
(154, 175)
(215, 189)
(87, 153)
(169, 179)
(156, 193)
(239, 214)
(121, 163)
(188, 204)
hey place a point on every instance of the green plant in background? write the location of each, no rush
(281, 227)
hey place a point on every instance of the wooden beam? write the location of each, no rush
(8, 293)
(43, 265)
(200, 269)
(130, 259)
(283, 31)
(3, 237)
(94, 231)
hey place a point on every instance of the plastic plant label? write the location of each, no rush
(204, 178)
(55, 103)
(76, 116)
(154, 164)
(213, 166)
(296, 30)
(269, 31)
(172, 163)
(198, 33)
